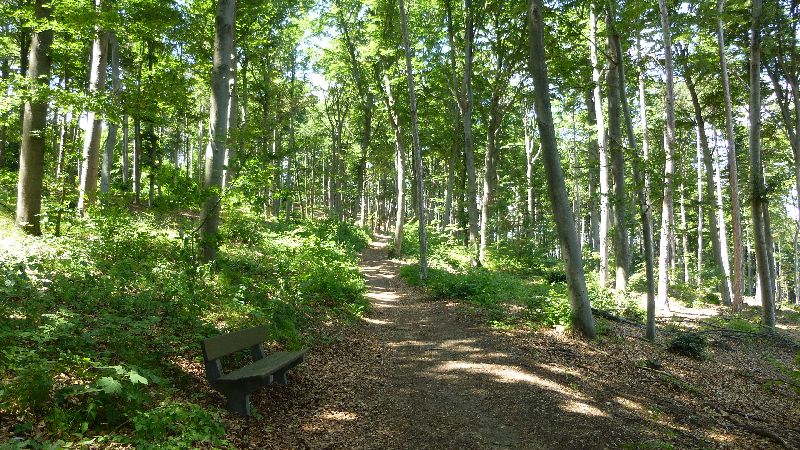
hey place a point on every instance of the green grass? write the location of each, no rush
(94, 322)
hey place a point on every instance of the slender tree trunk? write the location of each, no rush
(758, 202)
(125, 160)
(562, 213)
(669, 166)
(684, 231)
(594, 173)
(111, 139)
(466, 109)
(412, 98)
(218, 123)
(621, 249)
(34, 123)
(91, 145)
(233, 118)
(400, 165)
(642, 189)
(733, 172)
(700, 226)
(716, 243)
(602, 147)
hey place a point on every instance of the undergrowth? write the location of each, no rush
(516, 285)
(96, 325)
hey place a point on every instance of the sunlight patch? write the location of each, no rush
(583, 408)
(340, 416)
(377, 321)
(507, 374)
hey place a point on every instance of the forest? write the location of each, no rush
(490, 224)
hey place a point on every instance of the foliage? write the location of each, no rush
(98, 316)
(689, 344)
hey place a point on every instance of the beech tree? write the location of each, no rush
(562, 212)
(218, 133)
(34, 123)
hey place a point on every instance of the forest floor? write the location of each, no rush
(417, 373)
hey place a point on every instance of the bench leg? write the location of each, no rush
(280, 378)
(239, 403)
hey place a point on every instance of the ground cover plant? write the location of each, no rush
(96, 321)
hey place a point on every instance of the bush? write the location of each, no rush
(97, 316)
(688, 344)
(178, 425)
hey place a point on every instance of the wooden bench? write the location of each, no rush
(237, 385)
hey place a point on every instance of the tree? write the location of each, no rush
(758, 202)
(733, 172)
(34, 125)
(91, 145)
(218, 122)
(669, 165)
(716, 243)
(417, 150)
(615, 149)
(562, 212)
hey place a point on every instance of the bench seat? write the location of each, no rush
(272, 364)
(238, 384)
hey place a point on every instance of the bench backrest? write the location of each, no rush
(218, 346)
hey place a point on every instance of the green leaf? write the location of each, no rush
(136, 378)
(109, 385)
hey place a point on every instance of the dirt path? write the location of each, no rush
(463, 386)
(425, 374)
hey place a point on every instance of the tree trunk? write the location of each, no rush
(125, 160)
(602, 148)
(562, 213)
(34, 123)
(91, 145)
(621, 250)
(412, 99)
(642, 188)
(669, 166)
(233, 118)
(733, 172)
(716, 244)
(700, 226)
(400, 165)
(218, 123)
(758, 202)
(466, 110)
(137, 158)
(111, 139)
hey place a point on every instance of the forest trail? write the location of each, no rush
(417, 373)
(457, 384)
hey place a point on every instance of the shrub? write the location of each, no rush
(688, 344)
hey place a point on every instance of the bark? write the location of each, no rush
(125, 160)
(733, 172)
(642, 190)
(466, 114)
(758, 202)
(417, 151)
(700, 226)
(218, 124)
(602, 148)
(594, 174)
(716, 243)
(91, 145)
(684, 231)
(137, 158)
(111, 139)
(621, 249)
(400, 165)
(34, 123)
(669, 166)
(229, 170)
(565, 224)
